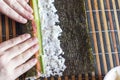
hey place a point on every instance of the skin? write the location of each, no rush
(14, 57)
(18, 10)
(16, 53)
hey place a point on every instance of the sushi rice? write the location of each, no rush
(54, 63)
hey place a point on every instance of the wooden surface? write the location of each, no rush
(103, 18)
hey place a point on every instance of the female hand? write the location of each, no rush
(19, 10)
(113, 74)
(14, 56)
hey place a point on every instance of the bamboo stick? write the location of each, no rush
(86, 77)
(106, 34)
(52, 78)
(95, 40)
(79, 77)
(59, 78)
(66, 78)
(116, 19)
(14, 28)
(119, 3)
(0, 28)
(112, 28)
(100, 35)
(119, 7)
(45, 79)
(6, 27)
(73, 77)
(93, 75)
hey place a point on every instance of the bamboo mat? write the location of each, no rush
(103, 18)
(7, 28)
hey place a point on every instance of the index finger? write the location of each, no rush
(12, 42)
(5, 9)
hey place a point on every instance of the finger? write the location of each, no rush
(5, 9)
(19, 9)
(20, 48)
(25, 67)
(25, 5)
(12, 42)
(22, 58)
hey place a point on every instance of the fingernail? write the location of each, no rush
(24, 20)
(29, 9)
(27, 35)
(30, 17)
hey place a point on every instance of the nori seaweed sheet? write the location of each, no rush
(75, 40)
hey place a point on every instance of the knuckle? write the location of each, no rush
(22, 58)
(8, 11)
(12, 41)
(19, 47)
(12, 3)
(16, 48)
(22, 11)
(28, 43)
(23, 70)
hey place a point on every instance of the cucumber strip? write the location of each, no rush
(38, 33)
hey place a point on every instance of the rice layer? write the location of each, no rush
(53, 60)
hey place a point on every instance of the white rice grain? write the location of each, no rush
(53, 61)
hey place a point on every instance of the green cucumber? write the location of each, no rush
(39, 32)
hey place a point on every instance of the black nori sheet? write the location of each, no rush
(75, 40)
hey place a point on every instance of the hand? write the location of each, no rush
(14, 56)
(19, 10)
(113, 74)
